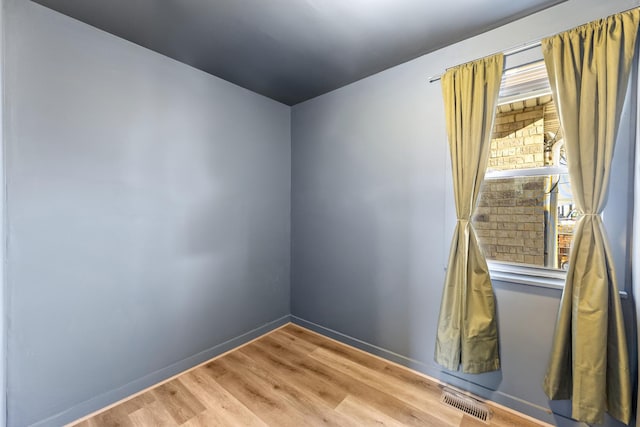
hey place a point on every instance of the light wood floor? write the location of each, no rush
(295, 377)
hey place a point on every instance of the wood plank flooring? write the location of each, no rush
(295, 377)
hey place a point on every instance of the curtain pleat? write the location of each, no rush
(588, 70)
(467, 331)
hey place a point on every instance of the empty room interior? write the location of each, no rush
(319, 212)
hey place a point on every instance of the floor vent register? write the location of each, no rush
(466, 404)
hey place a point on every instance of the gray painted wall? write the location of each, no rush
(148, 215)
(372, 218)
(3, 298)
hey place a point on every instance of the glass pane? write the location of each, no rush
(509, 219)
(528, 220)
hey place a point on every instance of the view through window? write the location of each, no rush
(525, 212)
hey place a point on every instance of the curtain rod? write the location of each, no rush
(512, 51)
(524, 47)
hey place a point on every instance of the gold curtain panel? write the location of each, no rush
(589, 71)
(467, 329)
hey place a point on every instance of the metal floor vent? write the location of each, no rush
(466, 404)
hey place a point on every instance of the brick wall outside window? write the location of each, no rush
(510, 215)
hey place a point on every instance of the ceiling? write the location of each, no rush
(294, 50)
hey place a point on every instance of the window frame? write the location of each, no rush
(520, 272)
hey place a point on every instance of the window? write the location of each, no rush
(524, 83)
(525, 213)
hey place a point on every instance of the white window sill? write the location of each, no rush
(527, 275)
(531, 276)
(519, 173)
